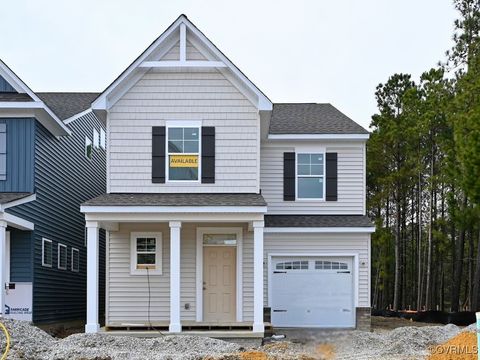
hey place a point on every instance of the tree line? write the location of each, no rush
(423, 176)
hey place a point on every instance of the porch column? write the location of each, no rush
(92, 325)
(258, 325)
(3, 260)
(175, 325)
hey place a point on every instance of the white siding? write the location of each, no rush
(127, 295)
(298, 243)
(351, 179)
(190, 95)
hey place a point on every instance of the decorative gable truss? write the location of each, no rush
(181, 46)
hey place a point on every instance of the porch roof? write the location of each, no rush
(176, 200)
(8, 197)
(317, 221)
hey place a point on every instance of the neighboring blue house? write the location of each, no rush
(52, 159)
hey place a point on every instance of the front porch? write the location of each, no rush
(177, 269)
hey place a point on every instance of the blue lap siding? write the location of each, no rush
(64, 178)
(21, 256)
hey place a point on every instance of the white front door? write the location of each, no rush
(312, 292)
(219, 274)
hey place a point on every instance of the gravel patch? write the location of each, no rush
(31, 343)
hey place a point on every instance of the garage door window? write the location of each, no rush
(330, 265)
(292, 265)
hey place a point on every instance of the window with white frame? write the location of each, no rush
(146, 253)
(103, 139)
(62, 257)
(3, 151)
(183, 146)
(75, 260)
(96, 139)
(47, 252)
(88, 148)
(310, 176)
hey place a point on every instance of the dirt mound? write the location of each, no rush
(461, 347)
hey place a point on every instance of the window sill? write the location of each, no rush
(140, 272)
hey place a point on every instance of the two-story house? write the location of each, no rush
(220, 204)
(52, 158)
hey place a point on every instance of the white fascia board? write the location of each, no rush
(318, 136)
(319, 229)
(76, 116)
(16, 222)
(182, 64)
(21, 105)
(173, 209)
(17, 202)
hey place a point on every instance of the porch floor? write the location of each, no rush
(217, 334)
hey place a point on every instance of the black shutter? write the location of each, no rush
(158, 154)
(289, 176)
(331, 169)
(208, 155)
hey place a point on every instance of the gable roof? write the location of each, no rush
(26, 100)
(167, 39)
(68, 104)
(311, 118)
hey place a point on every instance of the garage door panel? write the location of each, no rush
(313, 296)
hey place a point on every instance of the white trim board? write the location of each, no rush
(16, 221)
(199, 269)
(318, 136)
(319, 230)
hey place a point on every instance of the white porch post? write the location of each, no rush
(258, 325)
(92, 325)
(175, 325)
(3, 260)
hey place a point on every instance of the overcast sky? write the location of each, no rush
(294, 51)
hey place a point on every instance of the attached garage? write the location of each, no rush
(312, 291)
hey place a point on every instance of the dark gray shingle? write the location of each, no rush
(177, 200)
(317, 221)
(311, 118)
(5, 198)
(67, 104)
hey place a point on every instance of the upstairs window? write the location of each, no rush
(183, 146)
(88, 148)
(96, 139)
(310, 176)
(103, 139)
(3, 151)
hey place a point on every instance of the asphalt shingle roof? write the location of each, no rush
(177, 200)
(67, 104)
(11, 96)
(310, 118)
(9, 197)
(317, 221)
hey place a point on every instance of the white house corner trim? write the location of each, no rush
(92, 325)
(175, 323)
(258, 324)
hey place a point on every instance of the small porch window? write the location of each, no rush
(62, 257)
(146, 253)
(47, 253)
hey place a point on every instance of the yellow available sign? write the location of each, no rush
(190, 161)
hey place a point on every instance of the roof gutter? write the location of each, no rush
(318, 136)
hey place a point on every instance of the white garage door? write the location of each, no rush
(312, 292)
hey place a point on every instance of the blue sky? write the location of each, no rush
(295, 51)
